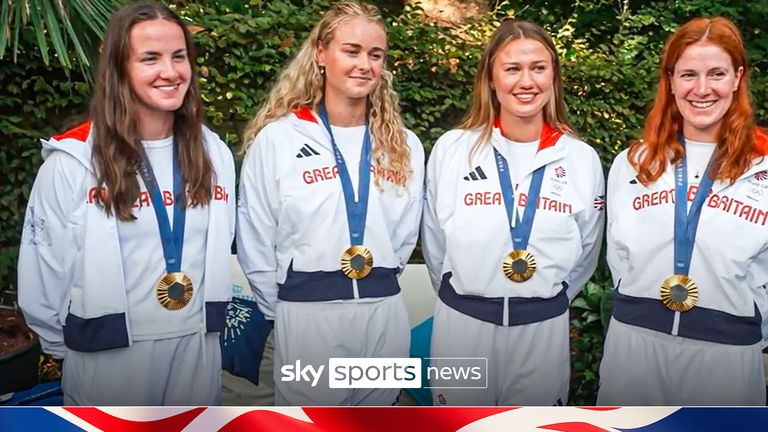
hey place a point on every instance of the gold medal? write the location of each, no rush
(356, 262)
(174, 290)
(519, 265)
(679, 293)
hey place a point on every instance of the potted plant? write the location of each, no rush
(19, 352)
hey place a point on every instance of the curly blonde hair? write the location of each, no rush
(301, 84)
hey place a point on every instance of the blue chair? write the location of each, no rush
(47, 394)
(421, 335)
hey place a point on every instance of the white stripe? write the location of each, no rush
(532, 418)
(213, 419)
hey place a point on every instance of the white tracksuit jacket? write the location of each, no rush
(730, 255)
(71, 285)
(655, 356)
(292, 224)
(465, 228)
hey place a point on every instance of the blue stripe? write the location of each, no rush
(215, 316)
(95, 334)
(520, 230)
(110, 332)
(326, 286)
(709, 420)
(33, 419)
(698, 323)
(357, 210)
(522, 310)
(687, 221)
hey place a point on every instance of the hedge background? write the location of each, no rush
(609, 49)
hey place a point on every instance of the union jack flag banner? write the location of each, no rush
(599, 202)
(406, 419)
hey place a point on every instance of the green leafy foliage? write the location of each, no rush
(609, 51)
(70, 27)
(242, 49)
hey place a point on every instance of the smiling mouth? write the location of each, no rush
(525, 97)
(702, 104)
(168, 87)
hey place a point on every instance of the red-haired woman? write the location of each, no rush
(687, 237)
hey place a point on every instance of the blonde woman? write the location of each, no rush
(330, 202)
(511, 181)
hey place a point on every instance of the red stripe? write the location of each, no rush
(110, 423)
(385, 419)
(79, 132)
(573, 427)
(354, 419)
(305, 113)
(599, 408)
(269, 421)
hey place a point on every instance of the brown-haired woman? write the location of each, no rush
(102, 277)
(687, 241)
(510, 173)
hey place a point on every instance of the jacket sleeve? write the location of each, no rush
(46, 258)
(591, 223)
(229, 183)
(616, 255)
(758, 279)
(257, 222)
(432, 235)
(407, 232)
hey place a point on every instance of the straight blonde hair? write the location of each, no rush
(485, 105)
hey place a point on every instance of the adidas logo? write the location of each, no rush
(475, 174)
(307, 151)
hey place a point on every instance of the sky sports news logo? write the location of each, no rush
(391, 373)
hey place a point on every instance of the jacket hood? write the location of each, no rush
(76, 142)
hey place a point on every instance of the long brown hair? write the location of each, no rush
(116, 141)
(485, 105)
(736, 134)
(301, 85)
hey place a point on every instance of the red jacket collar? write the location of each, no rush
(761, 142)
(304, 113)
(79, 133)
(548, 136)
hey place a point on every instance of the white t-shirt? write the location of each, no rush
(697, 155)
(521, 156)
(143, 259)
(349, 140)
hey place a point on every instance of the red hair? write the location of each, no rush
(736, 142)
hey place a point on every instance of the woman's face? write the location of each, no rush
(158, 67)
(703, 83)
(353, 60)
(522, 76)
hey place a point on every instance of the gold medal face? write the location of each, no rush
(356, 262)
(519, 265)
(174, 290)
(679, 293)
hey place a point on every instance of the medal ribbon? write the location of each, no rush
(356, 210)
(521, 231)
(687, 221)
(172, 239)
